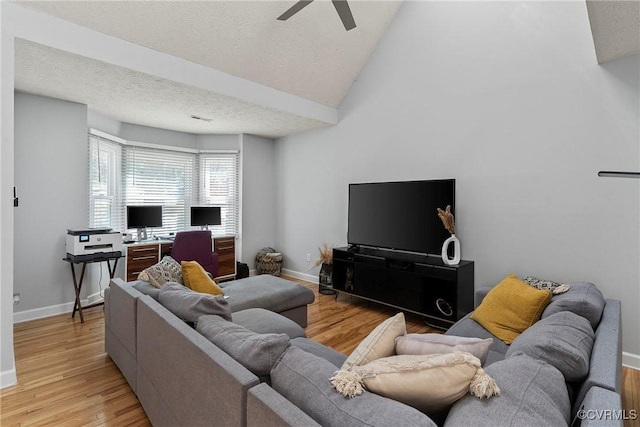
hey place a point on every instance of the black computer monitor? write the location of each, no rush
(142, 217)
(204, 216)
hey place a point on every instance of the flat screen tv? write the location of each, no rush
(141, 217)
(400, 215)
(203, 216)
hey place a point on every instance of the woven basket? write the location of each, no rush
(268, 261)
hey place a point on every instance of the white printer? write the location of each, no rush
(92, 243)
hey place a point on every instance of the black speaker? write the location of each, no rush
(440, 307)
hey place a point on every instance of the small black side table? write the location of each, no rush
(77, 283)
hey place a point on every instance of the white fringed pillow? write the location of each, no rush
(439, 343)
(381, 342)
(429, 383)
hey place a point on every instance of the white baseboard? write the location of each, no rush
(631, 360)
(8, 378)
(313, 278)
(52, 310)
(292, 273)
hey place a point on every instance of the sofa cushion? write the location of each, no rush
(256, 352)
(264, 322)
(584, 299)
(165, 271)
(196, 278)
(429, 383)
(327, 353)
(146, 288)
(467, 327)
(510, 308)
(563, 340)
(534, 393)
(266, 291)
(268, 408)
(189, 305)
(302, 378)
(439, 343)
(379, 343)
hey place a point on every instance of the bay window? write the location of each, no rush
(123, 173)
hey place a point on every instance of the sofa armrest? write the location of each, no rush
(605, 369)
(600, 407)
(267, 407)
(120, 327)
(212, 385)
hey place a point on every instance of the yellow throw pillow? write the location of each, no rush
(196, 278)
(510, 308)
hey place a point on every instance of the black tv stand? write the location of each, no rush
(411, 282)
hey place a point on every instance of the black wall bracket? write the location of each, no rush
(619, 174)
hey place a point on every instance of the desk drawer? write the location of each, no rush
(139, 258)
(225, 247)
(142, 251)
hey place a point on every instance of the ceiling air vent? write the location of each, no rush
(204, 119)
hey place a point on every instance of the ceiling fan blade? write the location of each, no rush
(301, 4)
(342, 7)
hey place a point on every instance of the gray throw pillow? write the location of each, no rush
(265, 321)
(189, 305)
(583, 299)
(303, 378)
(534, 393)
(563, 340)
(256, 352)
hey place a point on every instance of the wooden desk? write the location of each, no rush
(141, 255)
(77, 283)
(225, 247)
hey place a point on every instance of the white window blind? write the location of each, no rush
(161, 177)
(219, 186)
(105, 195)
(122, 174)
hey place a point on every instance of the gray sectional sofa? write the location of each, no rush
(182, 375)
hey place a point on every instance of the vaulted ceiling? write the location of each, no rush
(309, 57)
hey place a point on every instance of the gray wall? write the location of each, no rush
(258, 196)
(139, 133)
(8, 375)
(218, 142)
(51, 178)
(507, 98)
(51, 138)
(101, 122)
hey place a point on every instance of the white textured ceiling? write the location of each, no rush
(310, 56)
(134, 97)
(615, 26)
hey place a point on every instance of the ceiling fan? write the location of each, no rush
(342, 7)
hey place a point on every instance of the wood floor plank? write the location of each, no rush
(66, 378)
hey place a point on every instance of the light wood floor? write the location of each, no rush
(66, 378)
